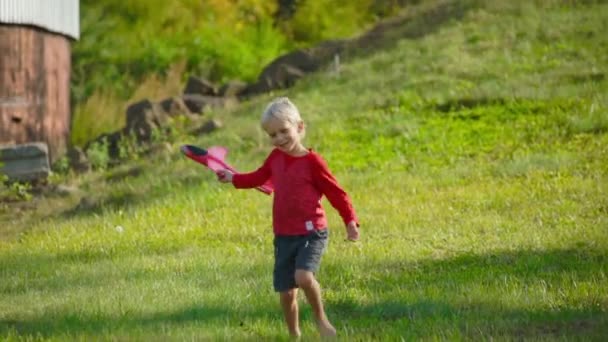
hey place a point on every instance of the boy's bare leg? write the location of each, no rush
(289, 303)
(307, 282)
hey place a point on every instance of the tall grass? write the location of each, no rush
(105, 112)
(125, 43)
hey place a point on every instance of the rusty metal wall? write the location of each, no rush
(59, 16)
(34, 87)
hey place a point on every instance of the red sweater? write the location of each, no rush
(299, 184)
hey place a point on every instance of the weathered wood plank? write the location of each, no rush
(34, 87)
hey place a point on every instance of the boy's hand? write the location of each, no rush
(224, 176)
(352, 231)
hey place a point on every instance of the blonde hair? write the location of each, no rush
(283, 109)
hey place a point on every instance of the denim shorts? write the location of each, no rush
(299, 252)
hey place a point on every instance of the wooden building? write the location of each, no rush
(35, 65)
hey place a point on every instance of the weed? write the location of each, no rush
(98, 155)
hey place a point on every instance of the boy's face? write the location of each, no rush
(284, 134)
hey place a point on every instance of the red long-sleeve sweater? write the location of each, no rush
(299, 184)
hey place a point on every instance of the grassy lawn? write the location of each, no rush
(476, 159)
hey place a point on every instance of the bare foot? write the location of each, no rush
(294, 335)
(326, 329)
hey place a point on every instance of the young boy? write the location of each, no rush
(300, 178)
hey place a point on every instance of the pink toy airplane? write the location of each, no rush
(214, 159)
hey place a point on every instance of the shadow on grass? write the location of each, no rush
(424, 319)
(402, 303)
(469, 296)
(75, 324)
(133, 197)
(57, 322)
(56, 274)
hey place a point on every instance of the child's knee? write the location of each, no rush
(304, 279)
(289, 295)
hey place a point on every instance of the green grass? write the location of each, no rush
(476, 159)
(124, 42)
(131, 50)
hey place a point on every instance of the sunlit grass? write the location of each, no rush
(475, 157)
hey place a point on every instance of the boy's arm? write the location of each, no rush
(338, 198)
(251, 179)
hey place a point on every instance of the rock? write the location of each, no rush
(196, 103)
(201, 104)
(111, 140)
(200, 86)
(78, 160)
(287, 76)
(207, 127)
(25, 162)
(143, 118)
(174, 106)
(253, 89)
(273, 75)
(232, 88)
(286, 69)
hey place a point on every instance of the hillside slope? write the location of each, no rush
(475, 156)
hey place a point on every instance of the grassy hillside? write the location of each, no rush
(146, 48)
(476, 158)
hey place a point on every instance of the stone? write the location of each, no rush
(143, 118)
(25, 162)
(233, 88)
(200, 104)
(200, 86)
(207, 127)
(174, 106)
(78, 160)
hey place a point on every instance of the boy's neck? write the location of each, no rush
(299, 152)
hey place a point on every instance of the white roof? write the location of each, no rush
(60, 16)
